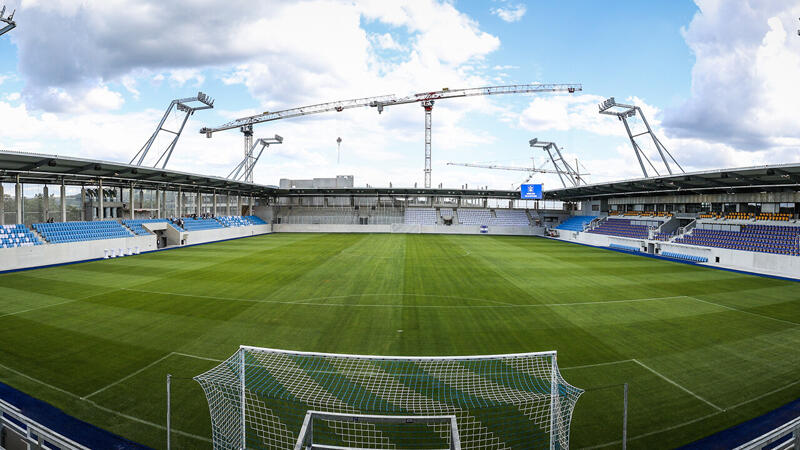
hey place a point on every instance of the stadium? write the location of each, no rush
(146, 307)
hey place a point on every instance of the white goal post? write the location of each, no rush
(261, 398)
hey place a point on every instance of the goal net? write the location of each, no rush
(259, 398)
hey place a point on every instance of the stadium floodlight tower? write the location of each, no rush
(9, 21)
(623, 113)
(565, 172)
(188, 107)
(244, 170)
(426, 100)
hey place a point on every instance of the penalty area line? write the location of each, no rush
(763, 316)
(103, 408)
(137, 372)
(37, 308)
(663, 377)
(130, 375)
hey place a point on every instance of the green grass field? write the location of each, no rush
(702, 349)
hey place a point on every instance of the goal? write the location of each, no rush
(261, 398)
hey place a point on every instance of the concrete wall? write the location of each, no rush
(48, 254)
(330, 228)
(763, 263)
(219, 234)
(406, 228)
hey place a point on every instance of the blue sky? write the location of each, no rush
(91, 79)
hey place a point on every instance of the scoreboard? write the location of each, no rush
(531, 191)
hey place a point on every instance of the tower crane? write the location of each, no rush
(426, 99)
(9, 21)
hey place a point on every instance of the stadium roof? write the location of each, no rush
(399, 192)
(774, 178)
(52, 169)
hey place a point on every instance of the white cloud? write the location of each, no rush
(182, 76)
(744, 81)
(566, 112)
(129, 83)
(511, 13)
(385, 41)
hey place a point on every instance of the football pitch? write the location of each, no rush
(701, 349)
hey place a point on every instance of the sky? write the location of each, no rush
(716, 79)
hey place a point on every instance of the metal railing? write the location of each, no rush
(30, 432)
(789, 429)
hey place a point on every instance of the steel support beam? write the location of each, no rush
(131, 203)
(63, 201)
(100, 199)
(18, 198)
(214, 210)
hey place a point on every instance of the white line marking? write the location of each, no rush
(689, 422)
(597, 365)
(764, 395)
(103, 408)
(131, 375)
(37, 308)
(743, 311)
(679, 386)
(56, 304)
(307, 302)
(197, 357)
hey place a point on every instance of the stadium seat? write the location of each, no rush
(136, 225)
(575, 223)
(65, 232)
(190, 224)
(621, 228)
(777, 239)
(17, 235)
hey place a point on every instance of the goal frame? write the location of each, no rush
(555, 380)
